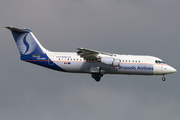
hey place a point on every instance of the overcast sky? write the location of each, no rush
(145, 27)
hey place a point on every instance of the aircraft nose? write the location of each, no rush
(172, 70)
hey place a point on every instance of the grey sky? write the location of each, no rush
(146, 27)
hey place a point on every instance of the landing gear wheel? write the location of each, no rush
(97, 76)
(163, 78)
(97, 79)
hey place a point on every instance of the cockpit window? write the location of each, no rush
(159, 62)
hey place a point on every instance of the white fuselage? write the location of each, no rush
(130, 64)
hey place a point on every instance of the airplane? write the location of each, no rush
(88, 61)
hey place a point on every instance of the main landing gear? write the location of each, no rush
(97, 76)
(163, 78)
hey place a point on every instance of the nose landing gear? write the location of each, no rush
(163, 78)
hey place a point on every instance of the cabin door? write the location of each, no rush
(148, 61)
(50, 61)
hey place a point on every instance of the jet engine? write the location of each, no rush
(110, 61)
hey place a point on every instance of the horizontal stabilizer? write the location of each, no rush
(17, 29)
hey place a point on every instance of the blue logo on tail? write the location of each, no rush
(26, 44)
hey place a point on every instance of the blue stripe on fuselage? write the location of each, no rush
(43, 60)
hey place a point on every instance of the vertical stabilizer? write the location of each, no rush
(26, 42)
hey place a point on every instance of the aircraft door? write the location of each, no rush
(162, 68)
(148, 61)
(50, 61)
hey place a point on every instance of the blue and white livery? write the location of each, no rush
(89, 61)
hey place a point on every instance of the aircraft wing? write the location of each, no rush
(90, 54)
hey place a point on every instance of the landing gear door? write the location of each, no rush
(94, 69)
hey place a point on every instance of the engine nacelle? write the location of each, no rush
(116, 63)
(110, 61)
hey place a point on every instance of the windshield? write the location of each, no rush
(160, 62)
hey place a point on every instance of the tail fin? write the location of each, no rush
(26, 42)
